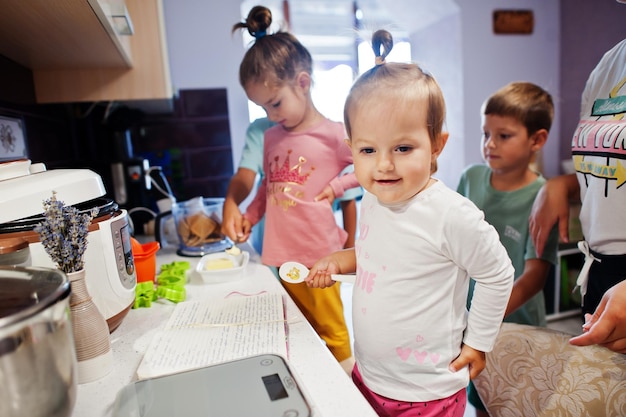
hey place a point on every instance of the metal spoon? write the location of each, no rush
(295, 272)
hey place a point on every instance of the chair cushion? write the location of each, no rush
(534, 371)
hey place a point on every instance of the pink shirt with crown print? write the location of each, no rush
(297, 167)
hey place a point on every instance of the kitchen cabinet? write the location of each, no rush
(561, 295)
(74, 56)
(562, 298)
(60, 34)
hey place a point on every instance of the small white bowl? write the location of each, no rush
(223, 275)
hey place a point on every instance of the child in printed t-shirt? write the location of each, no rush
(302, 154)
(516, 120)
(415, 345)
(245, 179)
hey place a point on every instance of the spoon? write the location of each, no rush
(295, 272)
(235, 252)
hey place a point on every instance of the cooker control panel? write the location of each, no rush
(122, 249)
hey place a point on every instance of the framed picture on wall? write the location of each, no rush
(12, 141)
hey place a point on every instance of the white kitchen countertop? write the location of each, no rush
(328, 389)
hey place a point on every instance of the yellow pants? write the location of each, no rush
(324, 310)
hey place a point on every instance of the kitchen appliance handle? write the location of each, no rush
(160, 218)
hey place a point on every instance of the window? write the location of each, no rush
(336, 34)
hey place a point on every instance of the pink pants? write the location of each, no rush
(452, 406)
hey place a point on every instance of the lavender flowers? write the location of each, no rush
(63, 233)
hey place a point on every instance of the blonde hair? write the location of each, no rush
(402, 82)
(273, 59)
(528, 103)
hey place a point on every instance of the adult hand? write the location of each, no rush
(607, 325)
(552, 206)
(470, 357)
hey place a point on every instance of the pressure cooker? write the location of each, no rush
(109, 264)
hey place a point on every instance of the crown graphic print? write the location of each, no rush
(286, 173)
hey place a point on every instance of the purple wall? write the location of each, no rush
(589, 28)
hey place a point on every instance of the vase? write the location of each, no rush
(90, 330)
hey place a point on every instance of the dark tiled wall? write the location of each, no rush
(48, 133)
(16, 82)
(48, 129)
(192, 145)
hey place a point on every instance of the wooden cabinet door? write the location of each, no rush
(148, 78)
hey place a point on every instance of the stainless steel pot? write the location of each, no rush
(37, 356)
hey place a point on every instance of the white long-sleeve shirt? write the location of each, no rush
(414, 262)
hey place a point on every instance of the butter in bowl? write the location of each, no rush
(222, 266)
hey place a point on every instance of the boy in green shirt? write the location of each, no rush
(515, 120)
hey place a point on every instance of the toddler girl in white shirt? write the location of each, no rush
(416, 346)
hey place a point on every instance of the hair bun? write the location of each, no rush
(382, 44)
(257, 23)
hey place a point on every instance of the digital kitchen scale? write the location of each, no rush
(260, 386)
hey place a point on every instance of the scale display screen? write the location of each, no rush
(274, 387)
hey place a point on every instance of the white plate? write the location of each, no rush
(226, 274)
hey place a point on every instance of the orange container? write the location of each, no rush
(145, 259)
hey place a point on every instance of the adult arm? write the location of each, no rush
(552, 206)
(607, 325)
(239, 188)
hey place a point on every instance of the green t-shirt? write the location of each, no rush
(508, 212)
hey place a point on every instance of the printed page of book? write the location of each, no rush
(202, 333)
